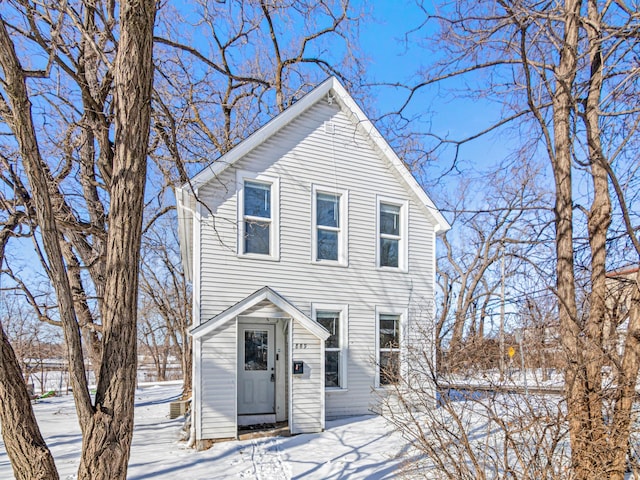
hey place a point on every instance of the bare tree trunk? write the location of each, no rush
(36, 171)
(599, 220)
(82, 309)
(626, 395)
(107, 441)
(574, 59)
(30, 457)
(575, 387)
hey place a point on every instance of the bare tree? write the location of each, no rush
(166, 295)
(505, 221)
(63, 72)
(565, 74)
(474, 434)
(251, 60)
(107, 424)
(35, 344)
(29, 454)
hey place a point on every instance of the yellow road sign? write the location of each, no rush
(512, 352)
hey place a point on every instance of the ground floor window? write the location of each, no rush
(333, 356)
(388, 349)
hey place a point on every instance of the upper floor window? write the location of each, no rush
(329, 225)
(334, 320)
(258, 207)
(257, 218)
(392, 236)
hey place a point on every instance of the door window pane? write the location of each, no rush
(255, 349)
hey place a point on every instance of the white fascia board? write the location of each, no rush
(368, 128)
(265, 293)
(261, 135)
(351, 108)
(185, 230)
(310, 325)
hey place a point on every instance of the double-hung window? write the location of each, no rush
(388, 332)
(258, 212)
(333, 319)
(329, 226)
(392, 236)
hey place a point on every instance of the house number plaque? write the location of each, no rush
(300, 346)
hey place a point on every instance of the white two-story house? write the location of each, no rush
(310, 248)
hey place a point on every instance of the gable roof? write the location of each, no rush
(329, 89)
(336, 91)
(265, 293)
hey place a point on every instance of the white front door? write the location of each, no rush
(256, 369)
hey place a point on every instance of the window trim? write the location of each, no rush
(402, 314)
(343, 229)
(343, 339)
(403, 241)
(274, 233)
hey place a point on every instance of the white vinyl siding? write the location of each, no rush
(300, 156)
(307, 392)
(218, 383)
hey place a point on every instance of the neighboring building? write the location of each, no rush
(311, 250)
(620, 287)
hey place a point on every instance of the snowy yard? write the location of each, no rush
(357, 447)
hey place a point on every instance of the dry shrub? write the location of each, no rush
(475, 434)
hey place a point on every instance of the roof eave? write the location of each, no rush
(441, 225)
(348, 104)
(185, 231)
(261, 135)
(265, 293)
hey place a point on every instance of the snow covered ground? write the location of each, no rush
(354, 448)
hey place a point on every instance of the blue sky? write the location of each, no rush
(391, 44)
(391, 59)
